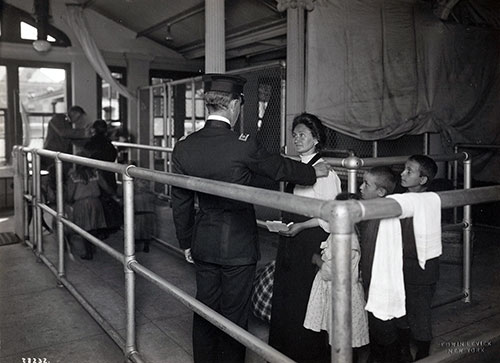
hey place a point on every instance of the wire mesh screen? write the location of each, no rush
(262, 112)
(406, 145)
(141, 157)
(261, 116)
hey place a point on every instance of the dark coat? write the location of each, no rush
(225, 231)
(101, 148)
(413, 273)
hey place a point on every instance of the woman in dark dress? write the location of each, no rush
(295, 272)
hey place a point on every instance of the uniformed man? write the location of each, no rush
(222, 237)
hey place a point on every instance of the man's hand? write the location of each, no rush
(187, 255)
(322, 169)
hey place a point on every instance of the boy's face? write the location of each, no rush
(369, 189)
(411, 177)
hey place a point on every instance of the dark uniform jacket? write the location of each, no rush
(224, 231)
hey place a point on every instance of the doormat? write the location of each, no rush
(8, 238)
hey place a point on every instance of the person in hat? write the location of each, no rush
(61, 136)
(100, 147)
(221, 237)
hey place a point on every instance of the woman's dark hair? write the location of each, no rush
(100, 127)
(314, 124)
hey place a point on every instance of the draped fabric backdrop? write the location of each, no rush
(380, 69)
(76, 20)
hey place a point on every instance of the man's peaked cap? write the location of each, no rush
(223, 83)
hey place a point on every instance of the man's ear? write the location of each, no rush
(381, 192)
(232, 103)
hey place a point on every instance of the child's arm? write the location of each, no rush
(316, 260)
(296, 228)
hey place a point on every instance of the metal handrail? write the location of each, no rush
(341, 216)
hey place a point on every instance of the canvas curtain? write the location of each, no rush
(76, 21)
(381, 69)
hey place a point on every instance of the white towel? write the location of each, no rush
(386, 295)
(426, 211)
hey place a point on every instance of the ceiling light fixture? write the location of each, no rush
(168, 35)
(42, 20)
(41, 45)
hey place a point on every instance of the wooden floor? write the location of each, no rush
(39, 319)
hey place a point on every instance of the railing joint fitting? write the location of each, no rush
(126, 170)
(129, 260)
(131, 353)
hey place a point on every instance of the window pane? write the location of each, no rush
(3, 87)
(28, 32)
(42, 92)
(110, 103)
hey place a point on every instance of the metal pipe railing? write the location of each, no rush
(129, 346)
(60, 214)
(341, 216)
(353, 164)
(240, 334)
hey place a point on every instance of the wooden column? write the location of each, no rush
(215, 42)
(295, 62)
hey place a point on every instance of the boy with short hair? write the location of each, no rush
(384, 336)
(418, 173)
(378, 182)
(420, 284)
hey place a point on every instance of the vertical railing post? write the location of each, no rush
(193, 104)
(426, 144)
(467, 231)
(151, 138)
(25, 191)
(342, 228)
(283, 113)
(129, 251)
(60, 214)
(37, 217)
(283, 146)
(455, 184)
(352, 164)
(170, 134)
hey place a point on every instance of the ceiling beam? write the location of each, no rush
(173, 19)
(237, 40)
(271, 4)
(254, 50)
(444, 8)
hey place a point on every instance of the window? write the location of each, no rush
(110, 105)
(30, 94)
(42, 93)
(29, 32)
(19, 26)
